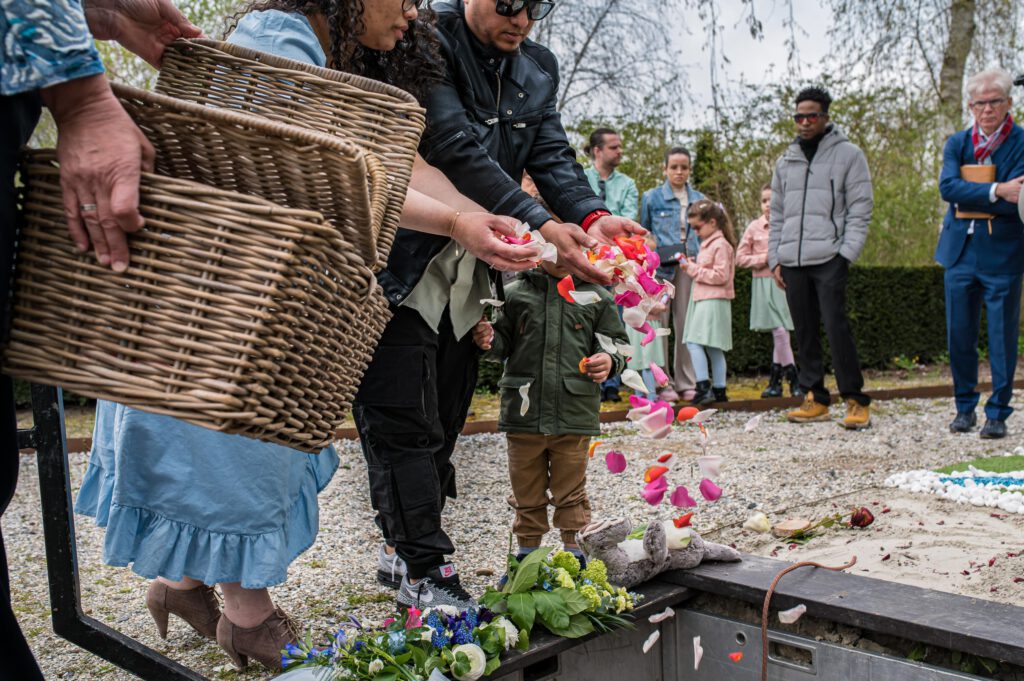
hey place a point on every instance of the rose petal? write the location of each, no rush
(651, 640)
(548, 252)
(710, 490)
(634, 317)
(758, 523)
(752, 423)
(565, 285)
(648, 332)
(654, 472)
(628, 299)
(522, 228)
(650, 286)
(709, 465)
(698, 652)
(631, 379)
(636, 401)
(584, 297)
(524, 392)
(683, 520)
(681, 498)
(703, 416)
(616, 461)
(625, 349)
(735, 657)
(658, 434)
(793, 614)
(653, 423)
(606, 343)
(687, 413)
(638, 413)
(492, 302)
(666, 457)
(593, 445)
(652, 261)
(667, 613)
(654, 492)
(663, 406)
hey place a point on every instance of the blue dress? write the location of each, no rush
(180, 500)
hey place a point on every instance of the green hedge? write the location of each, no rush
(893, 311)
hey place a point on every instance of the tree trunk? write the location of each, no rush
(954, 63)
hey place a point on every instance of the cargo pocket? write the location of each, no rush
(393, 396)
(418, 495)
(580, 409)
(512, 401)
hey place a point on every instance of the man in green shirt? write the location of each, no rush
(618, 191)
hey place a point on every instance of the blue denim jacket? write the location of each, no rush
(659, 213)
(43, 44)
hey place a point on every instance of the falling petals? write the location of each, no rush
(793, 614)
(681, 498)
(683, 520)
(625, 349)
(493, 302)
(666, 457)
(752, 423)
(667, 613)
(651, 640)
(634, 317)
(565, 285)
(638, 413)
(709, 465)
(583, 365)
(687, 413)
(650, 286)
(584, 297)
(648, 332)
(628, 299)
(666, 408)
(663, 331)
(654, 472)
(703, 416)
(593, 446)
(698, 652)
(636, 401)
(653, 426)
(654, 492)
(735, 657)
(710, 490)
(631, 247)
(524, 392)
(606, 343)
(631, 379)
(758, 523)
(616, 461)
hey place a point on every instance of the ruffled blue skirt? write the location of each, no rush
(179, 500)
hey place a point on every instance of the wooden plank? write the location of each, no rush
(658, 595)
(970, 625)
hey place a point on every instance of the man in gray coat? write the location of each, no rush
(821, 207)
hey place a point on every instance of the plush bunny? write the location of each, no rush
(664, 547)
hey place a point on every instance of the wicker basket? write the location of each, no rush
(380, 118)
(285, 164)
(236, 314)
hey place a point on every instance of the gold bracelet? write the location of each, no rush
(451, 227)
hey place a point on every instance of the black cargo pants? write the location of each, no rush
(410, 409)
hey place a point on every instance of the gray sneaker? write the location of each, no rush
(441, 586)
(390, 568)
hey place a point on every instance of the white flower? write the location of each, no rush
(511, 632)
(376, 666)
(477, 661)
(428, 633)
(447, 610)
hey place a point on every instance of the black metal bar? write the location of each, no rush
(69, 621)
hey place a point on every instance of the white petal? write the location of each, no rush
(549, 252)
(702, 416)
(698, 652)
(522, 228)
(524, 392)
(752, 423)
(585, 297)
(665, 614)
(626, 350)
(793, 614)
(493, 302)
(663, 331)
(634, 316)
(606, 343)
(638, 413)
(652, 423)
(651, 640)
(631, 379)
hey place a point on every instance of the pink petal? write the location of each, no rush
(660, 377)
(652, 262)
(636, 401)
(653, 492)
(653, 424)
(710, 490)
(681, 498)
(648, 332)
(616, 461)
(649, 285)
(662, 405)
(638, 413)
(628, 299)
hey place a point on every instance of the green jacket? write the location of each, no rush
(543, 337)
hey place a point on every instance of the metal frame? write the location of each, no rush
(48, 438)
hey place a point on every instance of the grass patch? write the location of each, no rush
(994, 464)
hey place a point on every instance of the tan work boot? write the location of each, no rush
(858, 416)
(809, 411)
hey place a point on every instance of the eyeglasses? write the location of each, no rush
(812, 117)
(983, 104)
(409, 5)
(535, 9)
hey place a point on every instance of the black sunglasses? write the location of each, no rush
(812, 117)
(535, 9)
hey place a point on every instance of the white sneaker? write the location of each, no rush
(440, 586)
(390, 568)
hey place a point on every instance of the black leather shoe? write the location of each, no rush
(993, 429)
(964, 422)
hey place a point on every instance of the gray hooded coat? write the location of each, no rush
(820, 209)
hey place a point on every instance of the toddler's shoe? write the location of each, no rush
(688, 395)
(858, 416)
(440, 586)
(809, 411)
(390, 568)
(669, 395)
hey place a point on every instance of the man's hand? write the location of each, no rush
(1010, 191)
(145, 27)
(483, 334)
(570, 240)
(606, 228)
(479, 233)
(101, 155)
(598, 367)
(777, 276)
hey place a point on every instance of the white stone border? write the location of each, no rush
(1007, 494)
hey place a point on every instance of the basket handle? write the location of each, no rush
(377, 176)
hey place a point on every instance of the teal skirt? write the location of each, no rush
(709, 323)
(768, 307)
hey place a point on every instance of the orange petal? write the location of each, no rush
(564, 286)
(654, 472)
(583, 365)
(735, 657)
(687, 413)
(593, 446)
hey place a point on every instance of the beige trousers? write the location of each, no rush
(683, 377)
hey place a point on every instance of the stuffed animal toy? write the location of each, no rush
(663, 547)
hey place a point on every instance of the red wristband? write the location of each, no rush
(592, 218)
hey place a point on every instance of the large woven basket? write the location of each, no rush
(289, 165)
(380, 118)
(236, 314)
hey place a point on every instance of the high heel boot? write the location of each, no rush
(263, 642)
(198, 607)
(774, 388)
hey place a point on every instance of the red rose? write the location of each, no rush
(861, 517)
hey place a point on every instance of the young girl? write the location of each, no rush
(768, 308)
(708, 333)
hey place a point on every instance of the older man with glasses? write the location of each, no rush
(982, 248)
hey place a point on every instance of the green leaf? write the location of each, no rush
(521, 610)
(523, 643)
(551, 609)
(577, 626)
(574, 601)
(990, 665)
(638, 532)
(525, 576)
(386, 675)
(491, 598)
(492, 664)
(918, 653)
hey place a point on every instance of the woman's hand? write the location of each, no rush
(480, 234)
(145, 27)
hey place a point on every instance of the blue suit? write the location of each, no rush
(982, 268)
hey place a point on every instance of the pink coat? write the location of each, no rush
(712, 273)
(752, 252)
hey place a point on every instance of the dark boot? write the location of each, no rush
(720, 395)
(789, 372)
(774, 388)
(704, 395)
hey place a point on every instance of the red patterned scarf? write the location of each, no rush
(983, 151)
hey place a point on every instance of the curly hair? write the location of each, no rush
(815, 94)
(414, 65)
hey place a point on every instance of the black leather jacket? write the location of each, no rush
(492, 117)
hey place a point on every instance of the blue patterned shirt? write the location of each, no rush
(43, 44)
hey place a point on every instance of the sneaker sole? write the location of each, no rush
(809, 419)
(385, 578)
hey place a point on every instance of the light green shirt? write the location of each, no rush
(620, 194)
(453, 277)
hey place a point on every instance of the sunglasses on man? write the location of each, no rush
(535, 9)
(812, 117)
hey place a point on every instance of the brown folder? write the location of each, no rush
(980, 174)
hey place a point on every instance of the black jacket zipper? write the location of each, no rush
(803, 210)
(832, 209)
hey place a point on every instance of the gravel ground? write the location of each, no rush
(774, 467)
